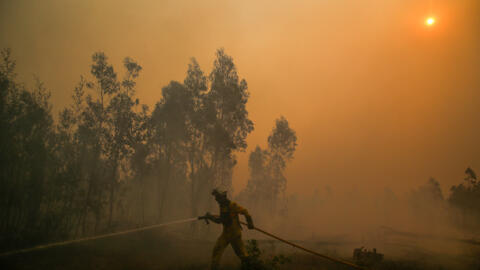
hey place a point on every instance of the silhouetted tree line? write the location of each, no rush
(463, 201)
(265, 191)
(107, 162)
(466, 198)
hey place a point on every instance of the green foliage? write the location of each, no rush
(257, 261)
(27, 161)
(267, 182)
(107, 157)
(466, 198)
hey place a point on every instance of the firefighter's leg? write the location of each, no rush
(239, 248)
(220, 246)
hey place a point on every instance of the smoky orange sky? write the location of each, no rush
(377, 98)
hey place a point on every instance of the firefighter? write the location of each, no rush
(232, 231)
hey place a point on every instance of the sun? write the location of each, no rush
(430, 21)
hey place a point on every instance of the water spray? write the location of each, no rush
(56, 244)
(205, 218)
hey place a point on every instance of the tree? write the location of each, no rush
(258, 183)
(26, 160)
(170, 133)
(466, 198)
(120, 122)
(107, 155)
(226, 119)
(281, 145)
(267, 181)
(198, 173)
(470, 177)
(106, 130)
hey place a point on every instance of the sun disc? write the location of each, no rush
(430, 21)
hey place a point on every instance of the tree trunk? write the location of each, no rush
(112, 195)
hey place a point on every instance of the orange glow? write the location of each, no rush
(411, 95)
(430, 21)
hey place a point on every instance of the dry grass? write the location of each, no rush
(160, 251)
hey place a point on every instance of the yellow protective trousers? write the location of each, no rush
(226, 238)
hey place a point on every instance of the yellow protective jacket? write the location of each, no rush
(229, 217)
(232, 232)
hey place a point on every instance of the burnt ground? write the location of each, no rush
(161, 250)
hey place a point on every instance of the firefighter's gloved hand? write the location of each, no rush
(208, 216)
(250, 223)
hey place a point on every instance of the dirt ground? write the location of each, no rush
(162, 250)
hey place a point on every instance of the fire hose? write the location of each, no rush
(63, 243)
(306, 249)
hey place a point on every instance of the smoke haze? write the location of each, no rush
(379, 101)
(376, 98)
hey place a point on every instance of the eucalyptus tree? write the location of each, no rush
(196, 85)
(267, 181)
(104, 135)
(226, 118)
(465, 197)
(169, 122)
(197, 127)
(95, 137)
(9, 99)
(25, 151)
(282, 144)
(69, 175)
(139, 160)
(121, 118)
(257, 185)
